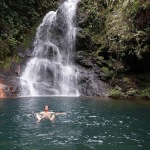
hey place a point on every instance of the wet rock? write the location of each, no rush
(2, 94)
(9, 82)
(90, 84)
(29, 52)
(21, 55)
(84, 61)
(83, 41)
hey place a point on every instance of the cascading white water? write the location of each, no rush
(51, 70)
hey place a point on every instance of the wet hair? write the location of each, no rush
(46, 105)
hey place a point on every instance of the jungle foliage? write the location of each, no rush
(17, 17)
(116, 34)
(121, 27)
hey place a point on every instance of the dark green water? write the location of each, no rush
(90, 124)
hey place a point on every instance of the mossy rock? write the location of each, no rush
(116, 92)
(145, 94)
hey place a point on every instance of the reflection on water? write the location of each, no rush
(89, 124)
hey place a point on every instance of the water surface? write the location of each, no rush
(90, 124)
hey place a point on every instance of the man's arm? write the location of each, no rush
(51, 116)
(39, 115)
(58, 113)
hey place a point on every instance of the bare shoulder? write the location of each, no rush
(51, 112)
(41, 113)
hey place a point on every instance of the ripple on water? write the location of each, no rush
(99, 142)
(93, 126)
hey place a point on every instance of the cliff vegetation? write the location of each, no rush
(116, 34)
(17, 18)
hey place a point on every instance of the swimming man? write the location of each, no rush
(46, 114)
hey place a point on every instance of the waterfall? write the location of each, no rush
(51, 70)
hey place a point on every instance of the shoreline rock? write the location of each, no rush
(2, 94)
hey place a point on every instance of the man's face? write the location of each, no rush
(46, 108)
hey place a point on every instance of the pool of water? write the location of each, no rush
(90, 124)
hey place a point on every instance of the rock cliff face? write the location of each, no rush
(9, 83)
(89, 82)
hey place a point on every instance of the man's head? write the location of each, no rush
(46, 107)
